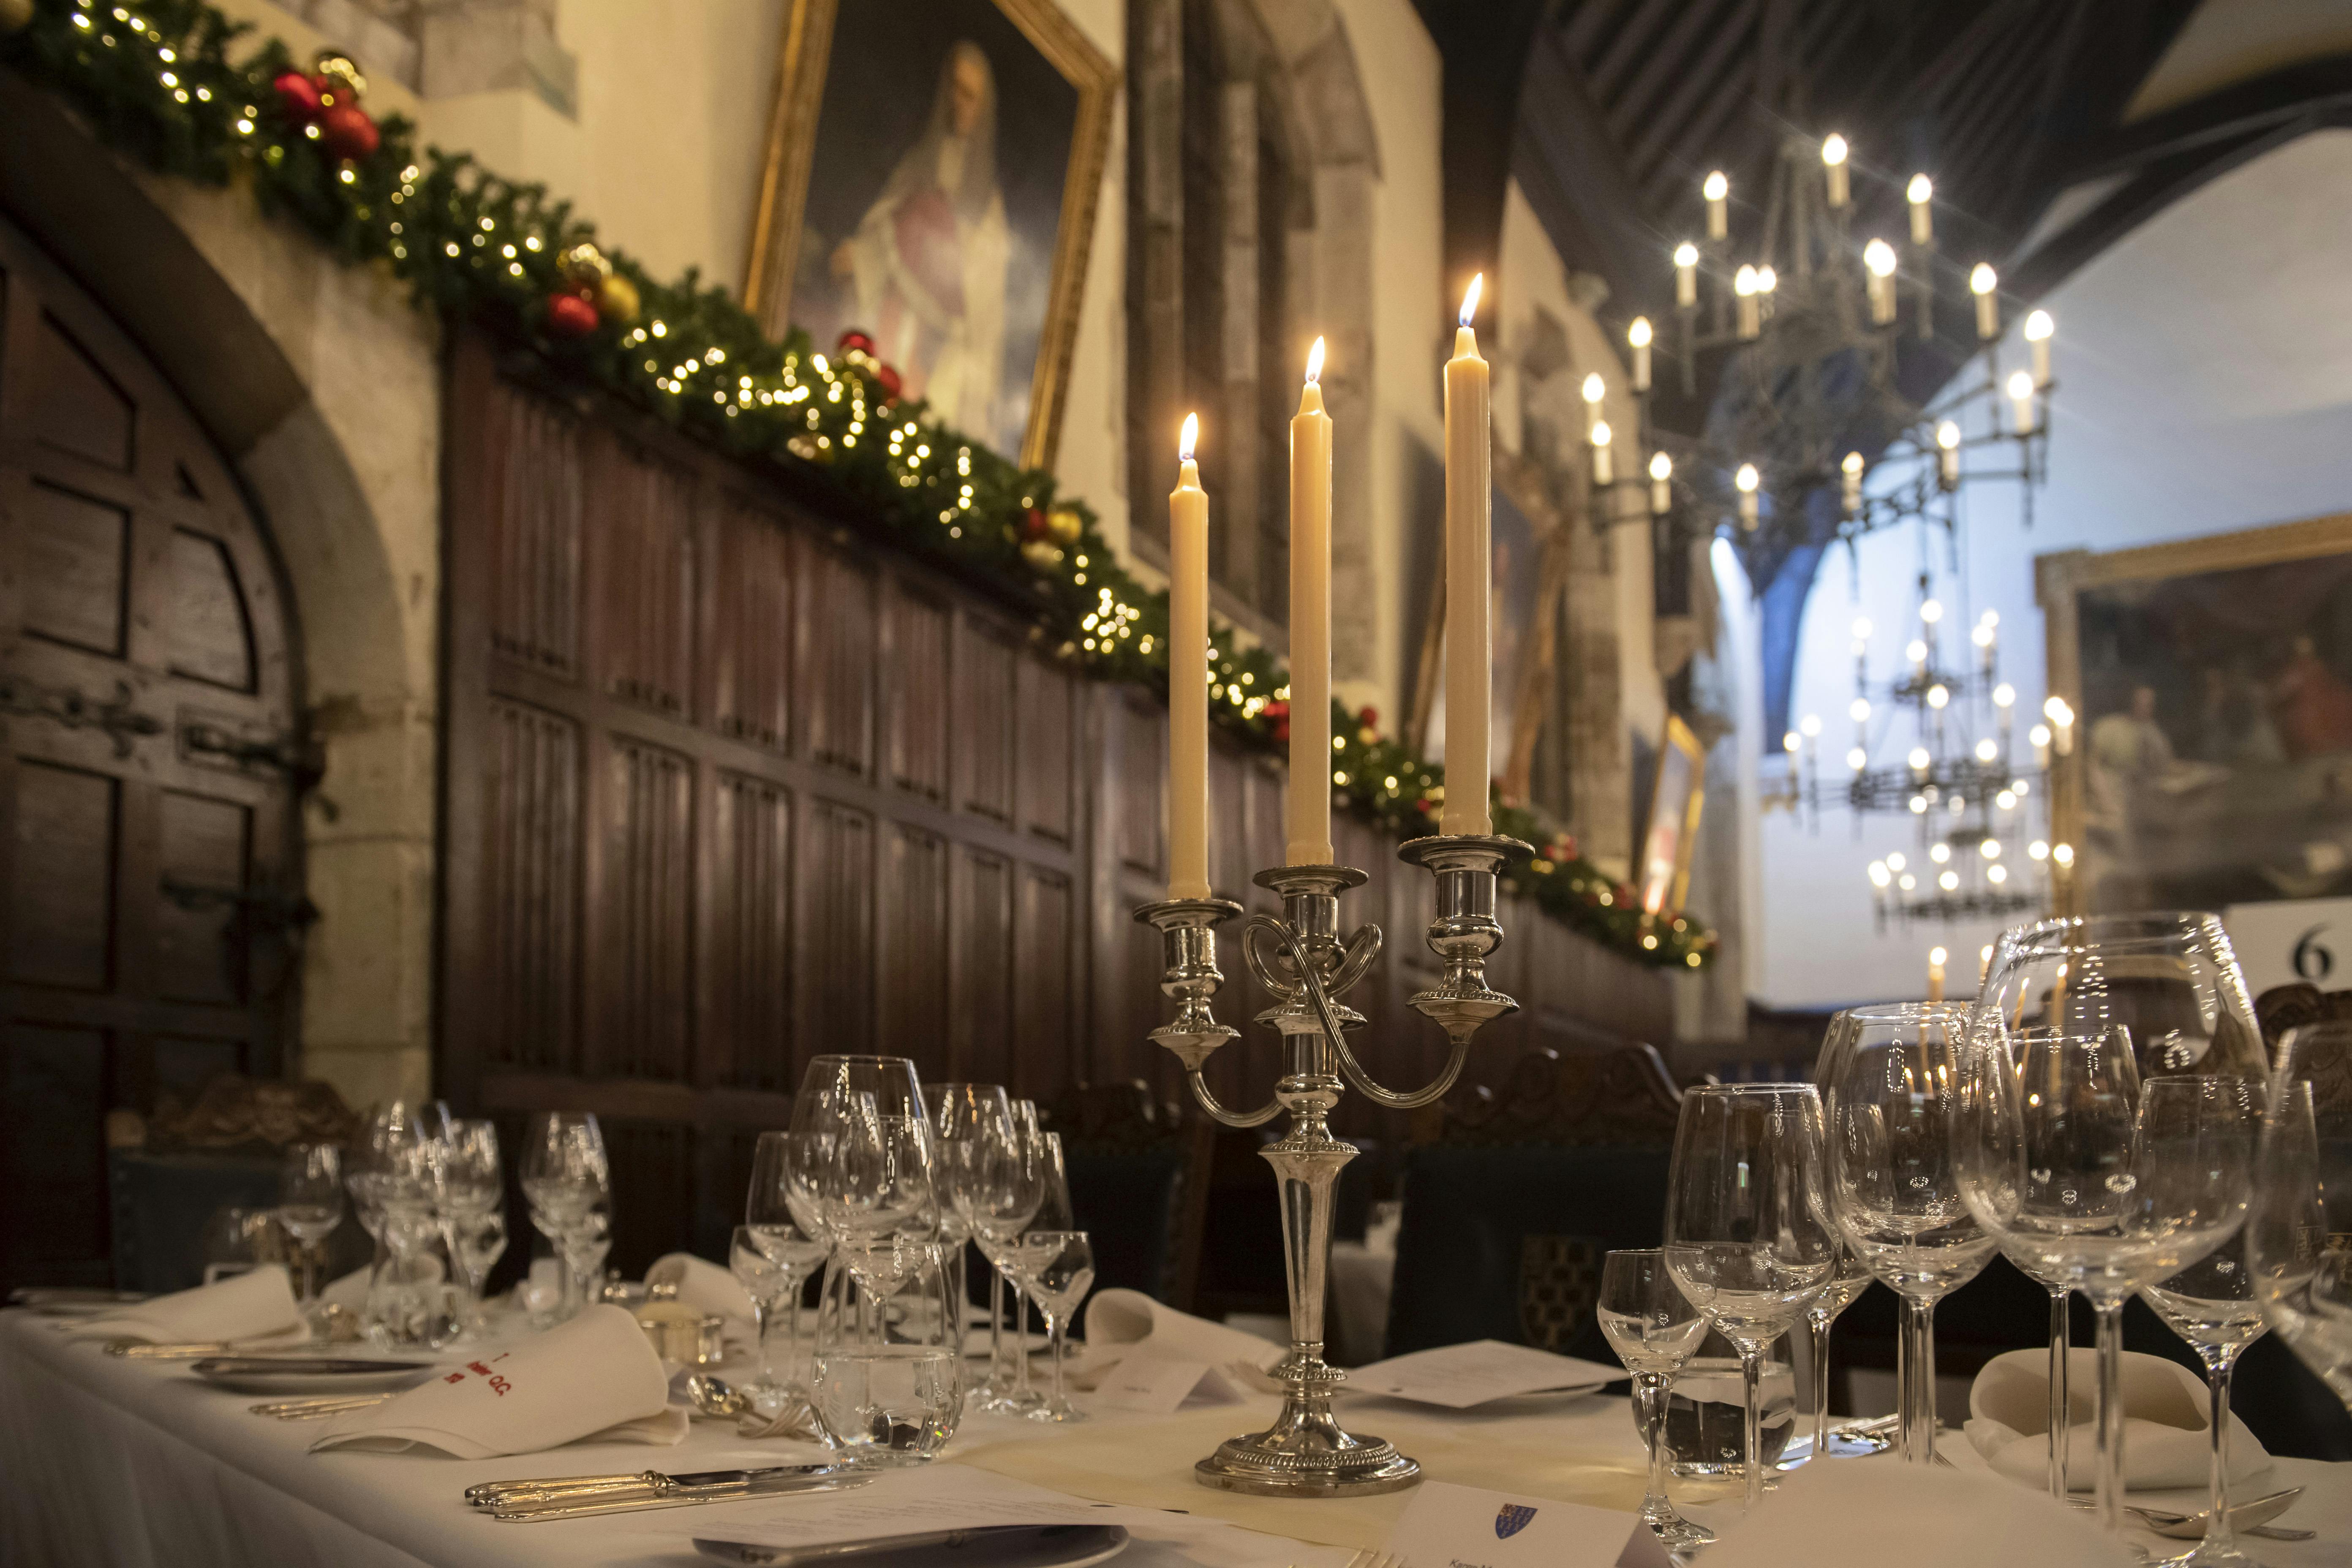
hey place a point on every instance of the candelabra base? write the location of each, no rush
(1306, 1453)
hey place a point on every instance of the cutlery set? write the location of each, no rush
(576, 1497)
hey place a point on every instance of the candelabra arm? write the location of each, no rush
(1208, 1102)
(1317, 998)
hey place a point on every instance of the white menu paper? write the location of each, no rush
(1459, 1377)
(1446, 1526)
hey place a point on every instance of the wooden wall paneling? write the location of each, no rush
(978, 943)
(911, 987)
(1051, 782)
(983, 732)
(746, 1032)
(838, 653)
(530, 470)
(752, 611)
(1048, 938)
(642, 531)
(641, 964)
(917, 688)
(529, 845)
(836, 972)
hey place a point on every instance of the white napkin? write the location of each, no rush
(1121, 1324)
(705, 1286)
(349, 1291)
(248, 1306)
(2166, 1441)
(596, 1377)
(1882, 1511)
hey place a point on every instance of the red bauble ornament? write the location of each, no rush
(1277, 714)
(298, 97)
(346, 131)
(891, 385)
(1032, 524)
(570, 315)
(1369, 717)
(854, 341)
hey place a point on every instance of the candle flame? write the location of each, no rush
(1315, 361)
(1191, 435)
(1470, 299)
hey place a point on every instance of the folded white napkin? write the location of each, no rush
(2166, 1441)
(1121, 1324)
(250, 1306)
(705, 1286)
(1879, 1512)
(596, 1377)
(348, 1291)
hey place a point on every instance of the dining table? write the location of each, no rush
(112, 1460)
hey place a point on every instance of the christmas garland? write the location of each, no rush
(157, 83)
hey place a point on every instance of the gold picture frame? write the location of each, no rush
(2061, 581)
(801, 74)
(1668, 837)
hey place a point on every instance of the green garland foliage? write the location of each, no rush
(158, 82)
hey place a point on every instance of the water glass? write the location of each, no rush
(2302, 1205)
(1653, 1329)
(1749, 1236)
(1706, 1414)
(888, 1404)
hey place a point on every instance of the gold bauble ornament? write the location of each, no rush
(1041, 555)
(341, 75)
(1065, 524)
(14, 14)
(584, 266)
(617, 300)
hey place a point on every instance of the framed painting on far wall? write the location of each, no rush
(1672, 832)
(2210, 761)
(930, 180)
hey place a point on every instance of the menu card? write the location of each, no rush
(1459, 1377)
(1446, 1526)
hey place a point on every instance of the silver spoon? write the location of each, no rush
(2250, 1517)
(713, 1397)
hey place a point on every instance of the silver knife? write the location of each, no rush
(538, 1488)
(683, 1491)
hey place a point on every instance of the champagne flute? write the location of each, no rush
(1749, 1236)
(1653, 1329)
(2212, 1305)
(2303, 1208)
(1890, 1077)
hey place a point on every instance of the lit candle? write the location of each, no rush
(1638, 334)
(1936, 956)
(1745, 481)
(2038, 328)
(1922, 192)
(1833, 152)
(1662, 483)
(2021, 399)
(1307, 807)
(1744, 283)
(1595, 389)
(1766, 281)
(1716, 190)
(1947, 454)
(1604, 471)
(1187, 675)
(1468, 496)
(1686, 275)
(1878, 264)
(1851, 469)
(1982, 282)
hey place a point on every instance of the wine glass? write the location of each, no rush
(1891, 1081)
(567, 1181)
(1059, 1268)
(1851, 1277)
(469, 1187)
(2302, 1205)
(890, 1082)
(1749, 1235)
(960, 1112)
(400, 1140)
(998, 1187)
(310, 1205)
(2210, 1304)
(783, 1234)
(1653, 1329)
(763, 1278)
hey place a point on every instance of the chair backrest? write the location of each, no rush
(1512, 1199)
(1138, 1186)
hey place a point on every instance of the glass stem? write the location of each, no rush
(792, 1292)
(2221, 1540)
(1019, 1345)
(1649, 1394)
(996, 1374)
(2062, 1411)
(763, 1318)
(1917, 1358)
(2111, 1416)
(1752, 1390)
(1820, 1324)
(1057, 1327)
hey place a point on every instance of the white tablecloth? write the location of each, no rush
(117, 1462)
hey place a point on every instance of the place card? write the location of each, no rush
(1459, 1377)
(1446, 1526)
(1161, 1385)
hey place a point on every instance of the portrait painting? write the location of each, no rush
(930, 182)
(1675, 798)
(2211, 680)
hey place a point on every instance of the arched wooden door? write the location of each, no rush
(150, 877)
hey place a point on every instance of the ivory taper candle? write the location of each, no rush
(1187, 675)
(1307, 807)
(1469, 481)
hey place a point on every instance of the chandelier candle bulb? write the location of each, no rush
(1187, 675)
(1716, 189)
(1948, 453)
(2039, 328)
(1745, 283)
(1878, 270)
(1686, 275)
(1833, 156)
(1985, 284)
(1662, 486)
(2021, 398)
(1595, 389)
(1850, 485)
(1922, 193)
(1639, 335)
(1745, 481)
(1307, 804)
(1604, 471)
(1936, 957)
(1766, 281)
(1469, 486)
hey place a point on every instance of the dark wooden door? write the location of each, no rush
(149, 865)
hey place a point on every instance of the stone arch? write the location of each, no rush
(320, 385)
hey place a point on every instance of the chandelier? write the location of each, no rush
(1810, 439)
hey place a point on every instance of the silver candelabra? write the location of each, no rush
(1301, 958)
